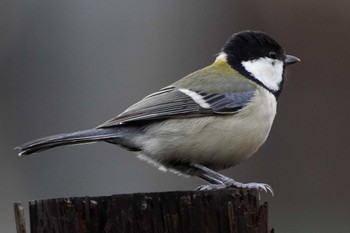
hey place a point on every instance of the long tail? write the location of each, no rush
(79, 137)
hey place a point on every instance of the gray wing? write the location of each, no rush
(171, 102)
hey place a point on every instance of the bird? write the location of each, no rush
(208, 121)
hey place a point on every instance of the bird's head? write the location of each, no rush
(258, 57)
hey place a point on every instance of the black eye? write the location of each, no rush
(273, 55)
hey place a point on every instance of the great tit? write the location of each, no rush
(212, 119)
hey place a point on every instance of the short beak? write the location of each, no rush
(289, 59)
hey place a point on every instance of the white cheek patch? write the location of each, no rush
(266, 70)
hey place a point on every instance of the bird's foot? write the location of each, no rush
(211, 187)
(232, 183)
(258, 186)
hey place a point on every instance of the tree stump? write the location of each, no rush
(219, 211)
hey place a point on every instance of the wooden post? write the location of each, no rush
(19, 218)
(219, 211)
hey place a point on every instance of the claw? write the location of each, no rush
(270, 189)
(258, 186)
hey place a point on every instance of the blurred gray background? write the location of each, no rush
(71, 65)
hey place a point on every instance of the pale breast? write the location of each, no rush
(217, 141)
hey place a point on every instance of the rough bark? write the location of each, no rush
(229, 211)
(19, 218)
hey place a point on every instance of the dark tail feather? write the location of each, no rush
(80, 137)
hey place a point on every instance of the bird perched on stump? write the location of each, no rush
(212, 119)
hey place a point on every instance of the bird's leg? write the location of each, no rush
(209, 179)
(190, 170)
(226, 181)
(215, 179)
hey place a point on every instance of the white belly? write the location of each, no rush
(217, 141)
